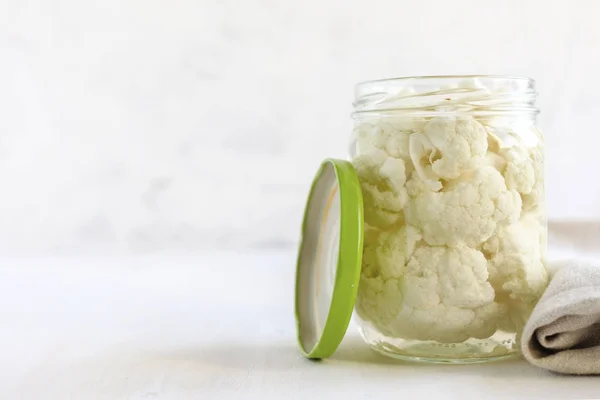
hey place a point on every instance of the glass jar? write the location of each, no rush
(451, 170)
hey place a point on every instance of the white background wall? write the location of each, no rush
(132, 125)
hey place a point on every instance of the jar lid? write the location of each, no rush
(329, 259)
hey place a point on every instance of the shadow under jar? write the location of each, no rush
(451, 170)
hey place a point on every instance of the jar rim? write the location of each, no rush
(446, 94)
(446, 77)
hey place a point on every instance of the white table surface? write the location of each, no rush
(201, 327)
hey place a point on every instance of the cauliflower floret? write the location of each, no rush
(533, 201)
(467, 211)
(448, 324)
(385, 253)
(516, 260)
(421, 154)
(523, 164)
(382, 180)
(445, 324)
(384, 259)
(459, 145)
(492, 157)
(379, 301)
(415, 187)
(517, 269)
(382, 136)
(398, 246)
(445, 296)
(519, 173)
(440, 275)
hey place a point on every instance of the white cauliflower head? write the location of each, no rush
(437, 275)
(421, 154)
(519, 173)
(382, 180)
(383, 136)
(386, 252)
(384, 258)
(516, 260)
(522, 162)
(517, 268)
(453, 245)
(444, 296)
(460, 144)
(534, 202)
(467, 211)
(379, 301)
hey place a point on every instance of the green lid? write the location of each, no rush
(329, 259)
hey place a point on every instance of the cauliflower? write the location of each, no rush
(467, 211)
(386, 252)
(421, 154)
(459, 143)
(492, 157)
(454, 248)
(447, 148)
(383, 136)
(384, 258)
(516, 260)
(523, 161)
(382, 180)
(416, 187)
(437, 275)
(379, 301)
(517, 269)
(519, 173)
(533, 202)
(440, 294)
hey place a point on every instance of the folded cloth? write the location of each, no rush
(563, 332)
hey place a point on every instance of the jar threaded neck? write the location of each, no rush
(442, 95)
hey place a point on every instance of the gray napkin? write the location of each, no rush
(563, 332)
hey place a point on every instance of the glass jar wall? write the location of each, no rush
(452, 176)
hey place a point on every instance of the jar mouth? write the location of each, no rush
(429, 78)
(447, 94)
